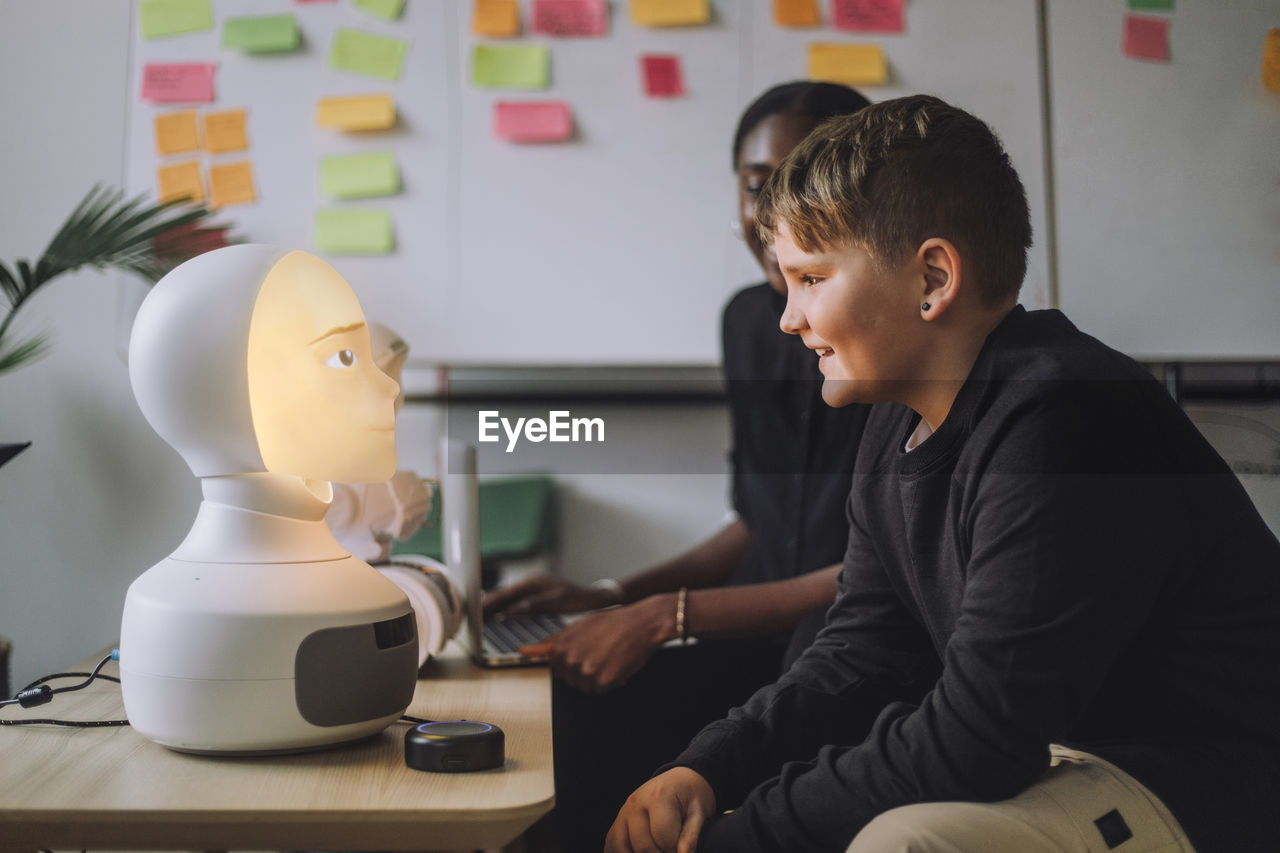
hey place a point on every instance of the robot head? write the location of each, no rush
(254, 358)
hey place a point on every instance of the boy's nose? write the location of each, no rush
(792, 319)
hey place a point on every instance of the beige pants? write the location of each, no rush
(1082, 804)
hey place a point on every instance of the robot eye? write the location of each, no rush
(341, 358)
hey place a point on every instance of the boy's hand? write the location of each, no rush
(602, 650)
(544, 593)
(665, 814)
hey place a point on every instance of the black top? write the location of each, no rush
(1066, 561)
(792, 454)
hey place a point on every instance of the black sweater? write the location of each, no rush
(1065, 560)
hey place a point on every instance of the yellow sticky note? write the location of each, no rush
(853, 64)
(496, 18)
(231, 183)
(176, 132)
(181, 180)
(670, 13)
(1271, 61)
(356, 112)
(796, 13)
(224, 131)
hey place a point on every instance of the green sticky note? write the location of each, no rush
(366, 53)
(526, 66)
(359, 175)
(389, 9)
(171, 17)
(1152, 5)
(261, 34)
(353, 232)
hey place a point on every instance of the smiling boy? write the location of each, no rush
(1059, 612)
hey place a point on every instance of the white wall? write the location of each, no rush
(97, 497)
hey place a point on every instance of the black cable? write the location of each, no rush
(417, 721)
(38, 693)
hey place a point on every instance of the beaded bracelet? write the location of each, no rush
(681, 598)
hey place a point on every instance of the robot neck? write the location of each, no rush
(261, 518)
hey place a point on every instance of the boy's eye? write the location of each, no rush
(753, 189)
(808, 280)
(341, 358)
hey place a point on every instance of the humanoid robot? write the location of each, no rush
(261, 633)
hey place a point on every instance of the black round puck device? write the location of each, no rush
(454, 746)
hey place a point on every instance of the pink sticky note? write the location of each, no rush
(1146, 38)
(879, 16)
(662, 75)
(532, 121)
(178, 82)
(571, 17)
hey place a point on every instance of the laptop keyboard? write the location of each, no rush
(509, 633)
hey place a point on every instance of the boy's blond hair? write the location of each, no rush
(896, 173)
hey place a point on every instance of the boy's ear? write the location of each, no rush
(943, 275)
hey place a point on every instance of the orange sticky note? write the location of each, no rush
(852, 64)
(496, 18)
(1271, 61)
(1146, 38)
(356, 112)
(796, 13)
(231, 183)
(670, 13)
(224, 131)
(176, 132)
(181, 180)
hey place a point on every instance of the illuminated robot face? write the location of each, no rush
(322, 408)
(254, 358)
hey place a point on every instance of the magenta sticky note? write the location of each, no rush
(1146, 38)
(532, 121)
(185, 82)
(663, 77)
(571, 17)
(867, 16)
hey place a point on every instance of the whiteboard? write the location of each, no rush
(1168, 181)
(612, 249)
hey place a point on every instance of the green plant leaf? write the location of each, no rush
(106, 230)
(15, 356)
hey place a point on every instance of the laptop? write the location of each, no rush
(496, 640)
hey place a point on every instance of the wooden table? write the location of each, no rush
(110, 788)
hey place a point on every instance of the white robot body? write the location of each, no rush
(261, 633)
(279, 657)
